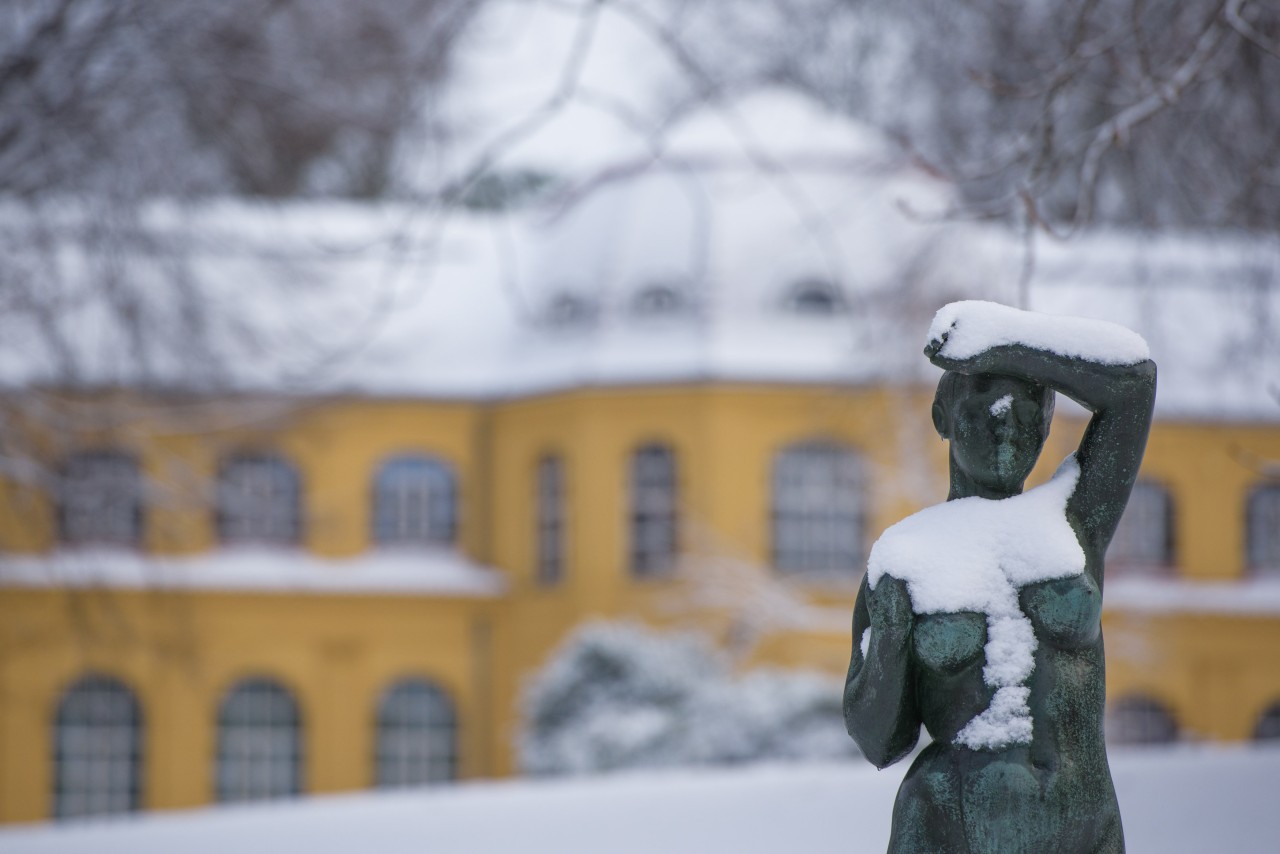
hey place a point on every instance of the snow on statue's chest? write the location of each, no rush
(973, 554)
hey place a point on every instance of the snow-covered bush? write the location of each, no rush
(619, 696)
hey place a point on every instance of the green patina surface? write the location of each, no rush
(1053, 794)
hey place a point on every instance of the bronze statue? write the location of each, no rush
(980, 618)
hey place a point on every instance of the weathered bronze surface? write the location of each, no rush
(1053, 795)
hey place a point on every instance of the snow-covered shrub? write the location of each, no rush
(619, 696)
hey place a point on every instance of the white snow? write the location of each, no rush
(433, 572)
(1249, 597)
(1188, 800)
(973, 554)
(1001, 406)
(970, 327)
(864, 643)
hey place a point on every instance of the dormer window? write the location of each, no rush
(567, 310)
(659, 301)
(816, 297)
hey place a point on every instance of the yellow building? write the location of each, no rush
(264, 593)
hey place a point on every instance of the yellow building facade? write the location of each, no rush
(1194, 641)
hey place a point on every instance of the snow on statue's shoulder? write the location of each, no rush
(973, 554)
(970, 327)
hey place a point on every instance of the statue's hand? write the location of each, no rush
(889, 605)
(977, 364)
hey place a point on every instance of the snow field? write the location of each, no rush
(1187, 800)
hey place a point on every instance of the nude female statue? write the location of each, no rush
(1011, 688)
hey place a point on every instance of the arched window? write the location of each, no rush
(819, 509)
(1143, 542)
(259, 742)
(1263, 529)
(417, 735)
(100, 499)
(259, 500)
(97, 749)
(653, 510)
(550, 510)
(569, 310)
(1268, 726)
(815, 297)
(414, 503)
(1140, 720)
(660, 300)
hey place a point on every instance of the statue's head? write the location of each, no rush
(996, 424)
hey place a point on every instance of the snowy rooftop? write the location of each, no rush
(1187, 800)
(767, 240)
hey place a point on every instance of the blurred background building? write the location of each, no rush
(310, 464)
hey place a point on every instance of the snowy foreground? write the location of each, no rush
(1194, 800)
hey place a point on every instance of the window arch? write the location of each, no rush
(100, 499)
(1140, 720)
(660, 300)
(819, 508)
(1268, 726)
(259, 742)
(97, 749)
(1143, 542)
(259, 500)
(416, 735)
(653, 493)
(549, 508)
(415, 502)
(1262, 526)
(817, 297)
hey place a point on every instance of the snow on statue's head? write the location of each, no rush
(996, 424)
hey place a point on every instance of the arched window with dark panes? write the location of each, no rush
(259, 742)
(654, 510)
(1140, 720)
(1143, 542)
(97, 749)
(1268, 725)
(416, 735)
(415, 503)
(259, 500)
(550, 510)
(100, 499)
(819, 509)
(1262, 529)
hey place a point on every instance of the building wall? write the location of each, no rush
(180, 650)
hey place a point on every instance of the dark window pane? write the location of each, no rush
(653, 510)
(819, 512)
(414, 503)
(100, 499)
(1143, 542)
(416, 738)
(259, 498)
(1263, 529)
(97, 748)
(1140, 720)
(550, 511)
(259, 743)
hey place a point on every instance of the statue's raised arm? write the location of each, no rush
(1105, 368)
(980, 618)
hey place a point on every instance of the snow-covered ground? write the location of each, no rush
(1189, 799)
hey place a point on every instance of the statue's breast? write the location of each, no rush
(1064, 612)
(949, 642)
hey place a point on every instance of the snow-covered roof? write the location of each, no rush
(409, 572)
(772, 241)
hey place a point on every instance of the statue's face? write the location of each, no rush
(997, 429)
